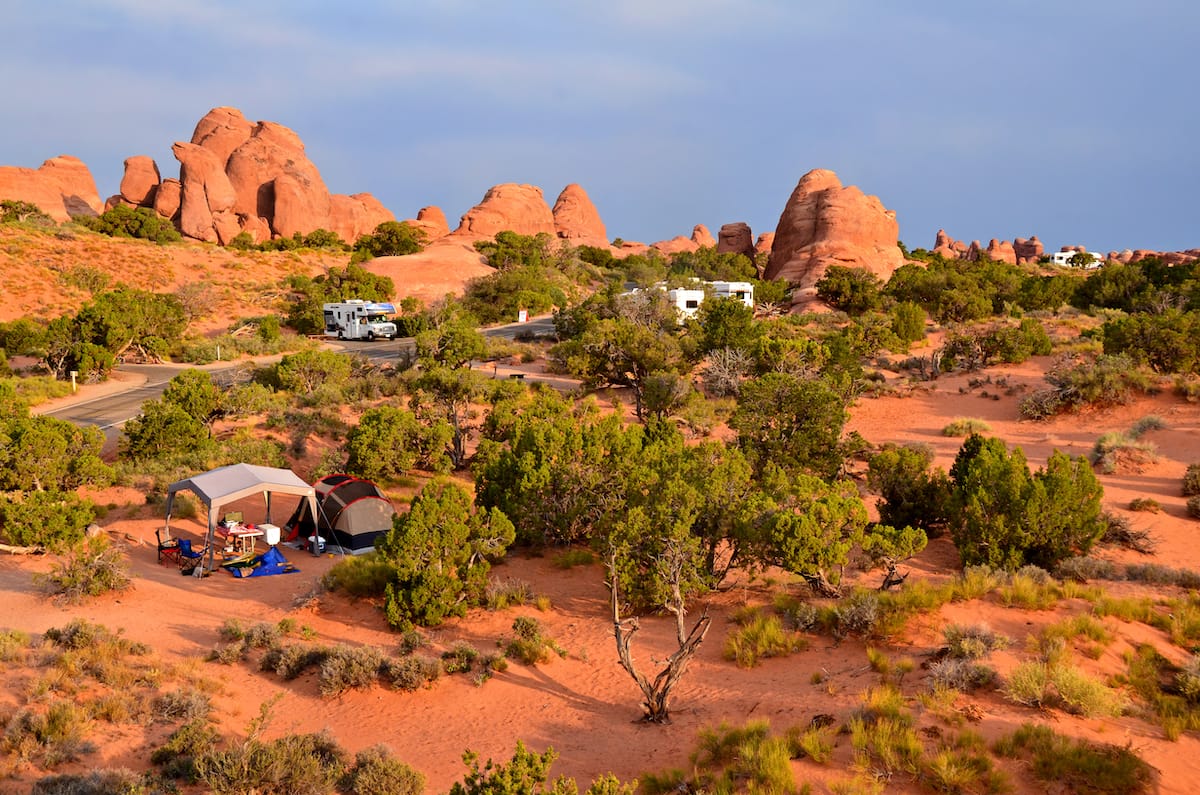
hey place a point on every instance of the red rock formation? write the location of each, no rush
(61, 187)
(206, 192)
(431, 221)
(1028, 250)
(508, 207)
(948, 247)
(354, 216)
(764, 243)
(140, 181)
(577, 220)
(221, 131)
(676, 245)
(702, 237)
(276, 181)
(736, 238)
(266, 185)
(1001, 251)
(826, 224)
(168, 198)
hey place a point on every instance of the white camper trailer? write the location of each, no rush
(359, 320)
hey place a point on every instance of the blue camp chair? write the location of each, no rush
(189, 558)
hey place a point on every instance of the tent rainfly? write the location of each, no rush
(352, 513)
(224, 485)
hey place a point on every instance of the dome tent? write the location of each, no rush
(350, 513)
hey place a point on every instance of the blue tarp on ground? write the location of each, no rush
(270, 562)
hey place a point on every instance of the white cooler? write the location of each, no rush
(270, 534)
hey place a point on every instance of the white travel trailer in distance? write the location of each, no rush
(359, 320)
(1063, 259)
(742, 291)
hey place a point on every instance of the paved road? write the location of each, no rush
(110, 411)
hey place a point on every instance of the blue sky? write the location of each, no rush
(1076, 122)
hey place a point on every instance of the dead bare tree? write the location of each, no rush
(657, 692)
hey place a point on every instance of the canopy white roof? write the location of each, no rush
(221, 486)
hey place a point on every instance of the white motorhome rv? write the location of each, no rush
(359, 320)
(742, 291)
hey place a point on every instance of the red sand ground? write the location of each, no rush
(585, 706)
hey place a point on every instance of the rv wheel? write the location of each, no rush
(371, 336)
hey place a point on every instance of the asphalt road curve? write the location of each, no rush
(109, 412)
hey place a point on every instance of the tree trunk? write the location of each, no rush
(656, 693)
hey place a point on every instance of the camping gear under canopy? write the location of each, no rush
(227, 484)
(270, 562)
(349, 512)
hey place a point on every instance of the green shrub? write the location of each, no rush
(759, 637)
(91, 568)
(1193, 507)
(459, 658)
(52, 519)
(973, 642)
(814, 742)
(1191, 480)
(1081, 694)
(963, 675)
(349, 667)
(306, 764)
(412, 672)
(362, 576)
(142, 223)
(13, 643)
(51, 736)
(377, 772)
(503, 594)
(288, 662)
(176, 757)
(1145, 505)
(1077, 765)
(1029, 684)
(730, 758)
(574, 557)
(1119, 451)
(530, 646)
(186, 703)
(119, 781)
(965, 426)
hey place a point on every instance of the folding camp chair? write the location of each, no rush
(168, 548)
(189, 558)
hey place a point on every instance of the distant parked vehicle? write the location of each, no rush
(359, 320)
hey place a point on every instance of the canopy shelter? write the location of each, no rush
(221, 486)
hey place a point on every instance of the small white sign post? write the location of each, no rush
(74, 373)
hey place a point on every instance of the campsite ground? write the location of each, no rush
(583, 704)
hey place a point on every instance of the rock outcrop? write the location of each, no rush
(702, 237)
(764, 243)
(239, 176)
(508, 207)
(948, 247)
(577, 220)
(827, 224)
(1001, 251)
(140, 181)
(1018, 251)
(1030, 250)
(736, 238)
(432, 221)
(62, 187)
(676, 245)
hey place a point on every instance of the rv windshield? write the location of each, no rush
(377, 317)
